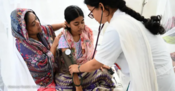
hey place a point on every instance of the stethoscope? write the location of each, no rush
(68, 53)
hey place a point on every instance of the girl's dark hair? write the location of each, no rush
(72, 12)
(152, 24)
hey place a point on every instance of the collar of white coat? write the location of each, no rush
(117, 13)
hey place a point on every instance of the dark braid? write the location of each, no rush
(152, 24)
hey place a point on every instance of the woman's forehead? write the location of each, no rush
(80, 18)
(31, 16)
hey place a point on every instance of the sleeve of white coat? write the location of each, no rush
(110, 48)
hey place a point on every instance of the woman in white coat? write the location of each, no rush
(134, 43)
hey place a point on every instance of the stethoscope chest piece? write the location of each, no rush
(68, 52)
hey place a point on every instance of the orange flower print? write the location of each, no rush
(19, 13)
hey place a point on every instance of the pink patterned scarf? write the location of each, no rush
(87, 44)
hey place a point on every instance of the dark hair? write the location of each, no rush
(152, 24)
(72, 12)
(26, 17)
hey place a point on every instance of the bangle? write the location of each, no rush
(79, 68)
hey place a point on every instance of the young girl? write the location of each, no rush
(79, 38)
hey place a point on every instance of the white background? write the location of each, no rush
(52, 11)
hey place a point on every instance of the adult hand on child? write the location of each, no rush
(55, 44)
(56, 40)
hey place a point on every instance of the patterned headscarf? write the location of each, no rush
(35, 53)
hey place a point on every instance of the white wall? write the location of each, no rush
(52, 11)
(149, 9)
(134, 4)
